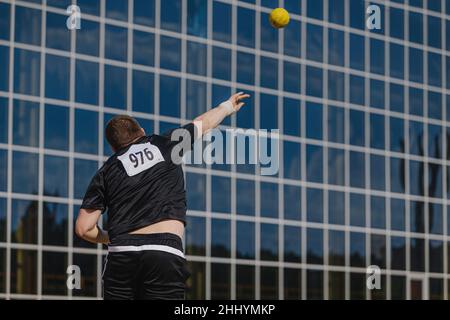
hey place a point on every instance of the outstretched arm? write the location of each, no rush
(86, 226)
(212, 118)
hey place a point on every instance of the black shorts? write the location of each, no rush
(145, 266)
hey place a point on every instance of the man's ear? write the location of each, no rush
(143, 131)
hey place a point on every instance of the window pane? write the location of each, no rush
(377, 173)
(115, 87)
(417, 254)
(292, 202)
(24, 217)
(26, 72)
(269, 241)
(269, 35)
(336, 207)
(357, 136)
(196, 184)
(26, 123)
(246, 70)
(55, 222)
(357, 169)
(25, 172)
(144, 12)
(221, 194)
(398, 253)
(336, 248)
(57, 36)
(117, 9)
(143, 48)
(221, 21)
(314, 286)
(56, 181)
(246, 27)
(116, 43)
(24, 266)
(398, 219)
(357, 249)
(378, 250)
(292, 244)
(5, 22)
(292, 117)
(269, 78)
(269, 283)
(292, 284)
(292, 37)
(291, 77)
(314, 84)
(28, 25)
(220, 238)
(314, 42)
(336, 166)
(245, 240)
(143, 96)
(197, 57)
(195, 236)
(84, 170)
(196, 282)
(171, 15)
(4, 72)
(222, 61)
(245, 282)
(86, 131)
(220, 281)
(357, 210)
(170, 90)
(314, 246)
(336, 85)
(87, 263)
(57, 70)
(88, 38)
(269, 200)
(336, 47)
(54, 276)
(86, 83)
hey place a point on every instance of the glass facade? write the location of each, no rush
(364, 118)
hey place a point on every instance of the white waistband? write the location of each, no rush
(145, 247)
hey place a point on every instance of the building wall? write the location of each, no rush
(363, 117)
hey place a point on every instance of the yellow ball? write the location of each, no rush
(279, 18)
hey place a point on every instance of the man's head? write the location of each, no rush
(122, 130)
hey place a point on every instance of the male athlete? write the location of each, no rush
(142, 186)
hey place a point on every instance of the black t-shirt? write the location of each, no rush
(142, 184)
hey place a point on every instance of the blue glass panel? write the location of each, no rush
(4, 71)
(416, 3)
(314, 246)
(196, 197)
(292, 202)
(84, 170)
(245, 240)
(357, 175)
(291, 6)
(143, 48)
(221, 194)
(197, 17)
(171, 15)
(314, 9)
(434, 105)
(336, 124)
(55, 221)
(269, 200)
(336, 207)
(357, 249)
(56, 127)
(195, 98)
(336, 12)
(220, 238)
(25, 172)
(314, 42)
(57, 35)
(415, 65)
(357, 14)
(357, 92)
(292, 244)
(291, 160)
(3, 171)
(435, 180)
(221, 21)
(86, 131)
(269, 78)
(314, 205)
(246, 27)
(222, 62)
(434, 69)
(377, 173)
(26, 123)
(398, 219)
(86, 84)
(144, 12)
(377, 94)
(357, 136)
(26, 72)
(416, 136)
(336, 247)
(28, 25)
(397, 97)
(170, 53)
(88, 38)
(269, 112)
(397, 24)
(376, 131)
(434, 31)
(396, 61)
(377, 56)
(170, 90)
(336, 47)
(417, 217)
(269, 241)
(397, 175)
(116, 39)
(3, 120)
(90, 7)
(56, 176)
(336, 85)
(57, 71)
(246, 70)
(246, 116)
(292, 117)
(292, 38)
(435, 220)
(5, 21)
(24, 223)
(245, 205)
(269, 35)
(435, 138)
(416, 101)
(378, 212)
(397, 140)
(416, 184)
(291, 74)
(314, 163)
(357, 210)
(143, 97)
(117, 9)
(415, 27)
(313, 121)
(196, 57)
(357, 52)
(314, 84)
(336, 167)
(115, 87)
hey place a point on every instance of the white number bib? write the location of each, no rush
(140, 157)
